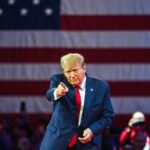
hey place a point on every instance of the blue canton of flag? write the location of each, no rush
(29, 14)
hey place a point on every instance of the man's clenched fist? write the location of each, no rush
(61, 90)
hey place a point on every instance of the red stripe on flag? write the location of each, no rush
(39, 88)
(97, 55)
(111, 22)
(130, 88)
(121, 120)
(24, 88)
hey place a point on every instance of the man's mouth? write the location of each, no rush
(74, 80)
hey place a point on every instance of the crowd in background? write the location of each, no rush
(20, 134)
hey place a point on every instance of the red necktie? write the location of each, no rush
(78, 104)
(78, 100)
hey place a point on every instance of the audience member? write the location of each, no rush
(135, 135)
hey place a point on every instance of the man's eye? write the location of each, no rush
(68, 71)
(75, 70)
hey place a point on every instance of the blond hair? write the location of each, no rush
(72, 59)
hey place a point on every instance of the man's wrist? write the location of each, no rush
(55, 94)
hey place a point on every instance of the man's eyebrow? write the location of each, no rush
(71, 70)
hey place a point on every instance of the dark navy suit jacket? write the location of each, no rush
(97, 114)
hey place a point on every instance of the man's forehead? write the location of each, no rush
(71, 66)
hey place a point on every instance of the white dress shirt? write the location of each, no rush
(82, 94)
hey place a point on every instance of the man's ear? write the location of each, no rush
(84, 67)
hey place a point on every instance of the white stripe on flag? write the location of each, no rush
(100, 7)
(112, 72)
(33, 104)
(93, 39)
(125, 105)
(41, 105)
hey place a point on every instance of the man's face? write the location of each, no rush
(74, 74)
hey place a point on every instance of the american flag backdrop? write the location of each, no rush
(113, 35)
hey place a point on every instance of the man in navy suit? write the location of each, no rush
(66, 130)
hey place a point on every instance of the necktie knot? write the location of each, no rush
(77, 87)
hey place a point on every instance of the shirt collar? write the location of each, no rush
(82, 85)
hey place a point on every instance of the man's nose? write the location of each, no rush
(72, 74)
